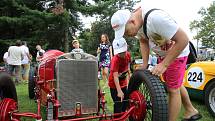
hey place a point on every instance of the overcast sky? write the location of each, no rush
(183, 11)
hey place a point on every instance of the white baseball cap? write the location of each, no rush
(118, 22)
(119, 45)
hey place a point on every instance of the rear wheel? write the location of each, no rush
(7, 87)
(210, 97)
(154, 96)
(31, 83)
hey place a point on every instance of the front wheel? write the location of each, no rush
(210, 97)
(153, 93)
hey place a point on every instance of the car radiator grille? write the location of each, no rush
(77, 83)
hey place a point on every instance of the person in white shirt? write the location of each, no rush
(40, 52)
(163, 36)
(5, 58)
(15, 55)
(154, 59)
(25, 61)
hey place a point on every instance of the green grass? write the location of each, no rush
(202, 109)
(27, 105)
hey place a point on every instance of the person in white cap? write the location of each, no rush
(157, 31)
(119, 74)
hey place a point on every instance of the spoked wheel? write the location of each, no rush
(138, 100)
(154, 94)
(7, 105)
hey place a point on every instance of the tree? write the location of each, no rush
(19, 21)
(205, 26)
(103, 25)
(50, 23)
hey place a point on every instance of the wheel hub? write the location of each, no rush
(140, 104)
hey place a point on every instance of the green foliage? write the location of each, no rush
(91, 38)
(35, 22)
(205, 26)
(18, 21)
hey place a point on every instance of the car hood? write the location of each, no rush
(208, 66)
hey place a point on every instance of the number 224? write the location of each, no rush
(193, 76)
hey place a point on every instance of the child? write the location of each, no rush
(76, 45)
(119, 71)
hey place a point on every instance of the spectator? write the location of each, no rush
(153, 59)
(158, 32)
(40, 52)
(15, 55)
(150, 60)
(5, 59)
(25, 62)
(76, 45)
(119, 75)
(105, 54)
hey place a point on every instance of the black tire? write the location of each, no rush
(209, 97)
(7, 87)
(31, 83)
(154, 92)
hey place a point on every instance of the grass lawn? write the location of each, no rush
(27, 105)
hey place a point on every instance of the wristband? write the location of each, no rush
(165, 65)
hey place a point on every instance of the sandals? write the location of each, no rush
(193, 118)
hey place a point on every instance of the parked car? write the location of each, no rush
(199, 79)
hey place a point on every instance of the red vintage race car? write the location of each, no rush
(67, 85)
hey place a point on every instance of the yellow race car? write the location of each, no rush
(199, 79)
